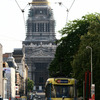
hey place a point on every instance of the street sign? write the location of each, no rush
(93, 91)
(16, 88)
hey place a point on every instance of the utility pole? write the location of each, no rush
(88, 47)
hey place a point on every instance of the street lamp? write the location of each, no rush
(88, 47)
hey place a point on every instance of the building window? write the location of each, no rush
(47, 27)
(33, 27)
(40, 27)
(41, 66)
(40, 79)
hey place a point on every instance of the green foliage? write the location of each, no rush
(69, 46)
(82, 60)
(30, 85)
(72, 59)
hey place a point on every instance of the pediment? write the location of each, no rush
(41, 53)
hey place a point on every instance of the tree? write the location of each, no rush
(69, 45)
(30, 85)
(81, 62)
(71, 54)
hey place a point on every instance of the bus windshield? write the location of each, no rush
(64, 90)
(57, 88)
(59, 91)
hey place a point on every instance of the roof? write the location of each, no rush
(18, 51)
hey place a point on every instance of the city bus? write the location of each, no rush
(61, 89)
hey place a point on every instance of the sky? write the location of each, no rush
(12, 26)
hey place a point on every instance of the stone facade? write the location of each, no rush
(39, 45)
(21, 72)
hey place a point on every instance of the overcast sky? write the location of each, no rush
(12, 28)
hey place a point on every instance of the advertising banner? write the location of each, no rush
(7, 70)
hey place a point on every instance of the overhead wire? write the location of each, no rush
(12, 38)
(60, 3)
(67, 9)
(22, 10)
(18, 4)
(72, 4)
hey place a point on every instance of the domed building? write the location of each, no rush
(39, 45)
